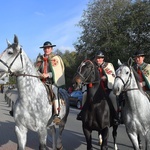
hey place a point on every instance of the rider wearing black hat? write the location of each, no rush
(143, 69)
(47, 44)
(107, 76)
(51, 71)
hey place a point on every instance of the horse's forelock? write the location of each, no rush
(13, 48)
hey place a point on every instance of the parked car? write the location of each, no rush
(75, 98)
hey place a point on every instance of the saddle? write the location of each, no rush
(50, 92)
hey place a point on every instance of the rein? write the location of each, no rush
(23, 74)
(85, 78)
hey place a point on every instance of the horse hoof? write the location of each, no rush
(11, 113)
(61, 148)
(140, 147)
(42, 147)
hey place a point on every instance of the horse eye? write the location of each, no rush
(127, 72)
(10, 51)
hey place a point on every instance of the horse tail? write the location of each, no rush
(65, 97)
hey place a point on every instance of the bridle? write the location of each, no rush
(84, 79)
(126, 84)
(9, 67)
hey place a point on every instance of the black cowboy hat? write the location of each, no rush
(139, 53)
(47, 44)
(100, 54)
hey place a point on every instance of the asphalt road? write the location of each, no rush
(73, 137)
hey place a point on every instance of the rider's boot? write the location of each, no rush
(79, 115)
(11, 112)
(56, 118)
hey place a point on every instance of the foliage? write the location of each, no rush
(71, 61)
(118, 27)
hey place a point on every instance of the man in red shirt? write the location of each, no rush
(107, 76)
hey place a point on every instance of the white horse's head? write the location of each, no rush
(122, 78)
(9, 58)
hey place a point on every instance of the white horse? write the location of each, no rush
(33, 109)
(136, 112)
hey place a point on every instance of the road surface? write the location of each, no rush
(73, 137)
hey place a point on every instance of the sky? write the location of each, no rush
(37, 21)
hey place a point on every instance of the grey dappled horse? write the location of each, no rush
(33, 109)
(136, 112)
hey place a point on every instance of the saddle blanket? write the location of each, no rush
(58, 71)
(146, 73)
(110, 73)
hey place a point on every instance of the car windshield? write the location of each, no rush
(76, 94)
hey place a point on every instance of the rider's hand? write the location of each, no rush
(103, 78)
(45, 75)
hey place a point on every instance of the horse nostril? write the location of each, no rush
(118, 89)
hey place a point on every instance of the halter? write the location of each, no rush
(125, 85)
(9, 67)
(85, 78)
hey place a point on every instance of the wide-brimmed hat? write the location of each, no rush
(47, 44)
(139, 53)
(100, 54)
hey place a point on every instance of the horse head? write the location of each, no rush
(9, 56)
(124, 74)
(86, 73)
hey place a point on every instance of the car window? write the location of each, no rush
(76, 94)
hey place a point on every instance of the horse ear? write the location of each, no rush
(16, 40)
(8, 43)
(119, 62)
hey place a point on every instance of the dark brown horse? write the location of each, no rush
(96, 112)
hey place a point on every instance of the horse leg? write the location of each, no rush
(42, 138)
(147, 144)
(59, 139)
(105, 135)
(134, 140)
(114, 134)
(100, 138)
(88, 138)
(140, 143)
(53, 132)
(21, 133)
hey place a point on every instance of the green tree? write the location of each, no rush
(118, 27)
(71, 61)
